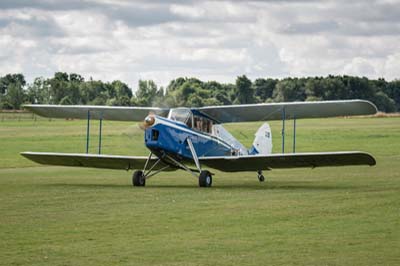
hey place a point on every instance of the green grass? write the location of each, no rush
(325, 216)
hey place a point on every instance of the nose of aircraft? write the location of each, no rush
(148, 122)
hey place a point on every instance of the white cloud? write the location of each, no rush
(392, 66)
(360, 67)
(219, 40)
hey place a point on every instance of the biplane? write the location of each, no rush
(194, 139)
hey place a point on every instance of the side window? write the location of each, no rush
(202, 124)
(197, 122)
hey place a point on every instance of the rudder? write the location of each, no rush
(262, 143)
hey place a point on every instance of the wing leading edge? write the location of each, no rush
(289, 160)
(92, 160)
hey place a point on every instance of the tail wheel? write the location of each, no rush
(138, 179)
(205, 179)
(260, 176)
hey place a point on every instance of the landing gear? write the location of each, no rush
(260, 176)
(205, 179)
(138, 179)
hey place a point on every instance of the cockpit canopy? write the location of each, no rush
(194, 121)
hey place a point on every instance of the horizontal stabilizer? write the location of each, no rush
(289, 160)
(275, 111)
(117, 113)
(91, 160)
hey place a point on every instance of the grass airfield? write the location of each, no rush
(78, 216)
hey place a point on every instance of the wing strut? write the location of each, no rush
(88, 131)
(100, 129)
(283, 129)
(294, 133)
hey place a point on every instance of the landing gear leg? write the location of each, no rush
(260, 176)
(139, 177)
(205, 177)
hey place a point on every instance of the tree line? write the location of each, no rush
(69, 89)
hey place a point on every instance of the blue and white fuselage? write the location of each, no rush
(170, 136)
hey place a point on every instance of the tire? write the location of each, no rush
(205, 179)
(138, 179)
(261, 178)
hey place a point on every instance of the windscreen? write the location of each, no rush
(181, 115)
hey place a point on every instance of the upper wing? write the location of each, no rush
(222, 114)
(274, 111)
(289, 160)
(119, 113)
(92, 160)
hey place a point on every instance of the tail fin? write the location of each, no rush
(262, 143)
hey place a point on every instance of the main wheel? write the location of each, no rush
(138, 179)
(205, 179)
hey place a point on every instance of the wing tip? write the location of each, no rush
(372, 109)
(370, 160)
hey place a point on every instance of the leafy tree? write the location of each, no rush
(15, 96)
(175, 84)
(58, 87)
(121, 89)
(384, 103)
(211, 102)
(12, 94)
(64, 88)
(393, 91)
(95, 92)
(146, 93)
(358, 88)
(244, 90)
(290, 89)
(222, 97)
(11, 79)
(66, 101)
(39, 91)
(264, 88)
(333, 88)
(167, 101)
(194, 100)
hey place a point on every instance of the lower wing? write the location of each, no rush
(93, 160)
(288, 160)
(222, 163)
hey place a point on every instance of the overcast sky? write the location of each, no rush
(210, 40)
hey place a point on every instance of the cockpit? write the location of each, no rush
(192, 120)
(200, 122)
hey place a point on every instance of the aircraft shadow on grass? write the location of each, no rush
(271, 185)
